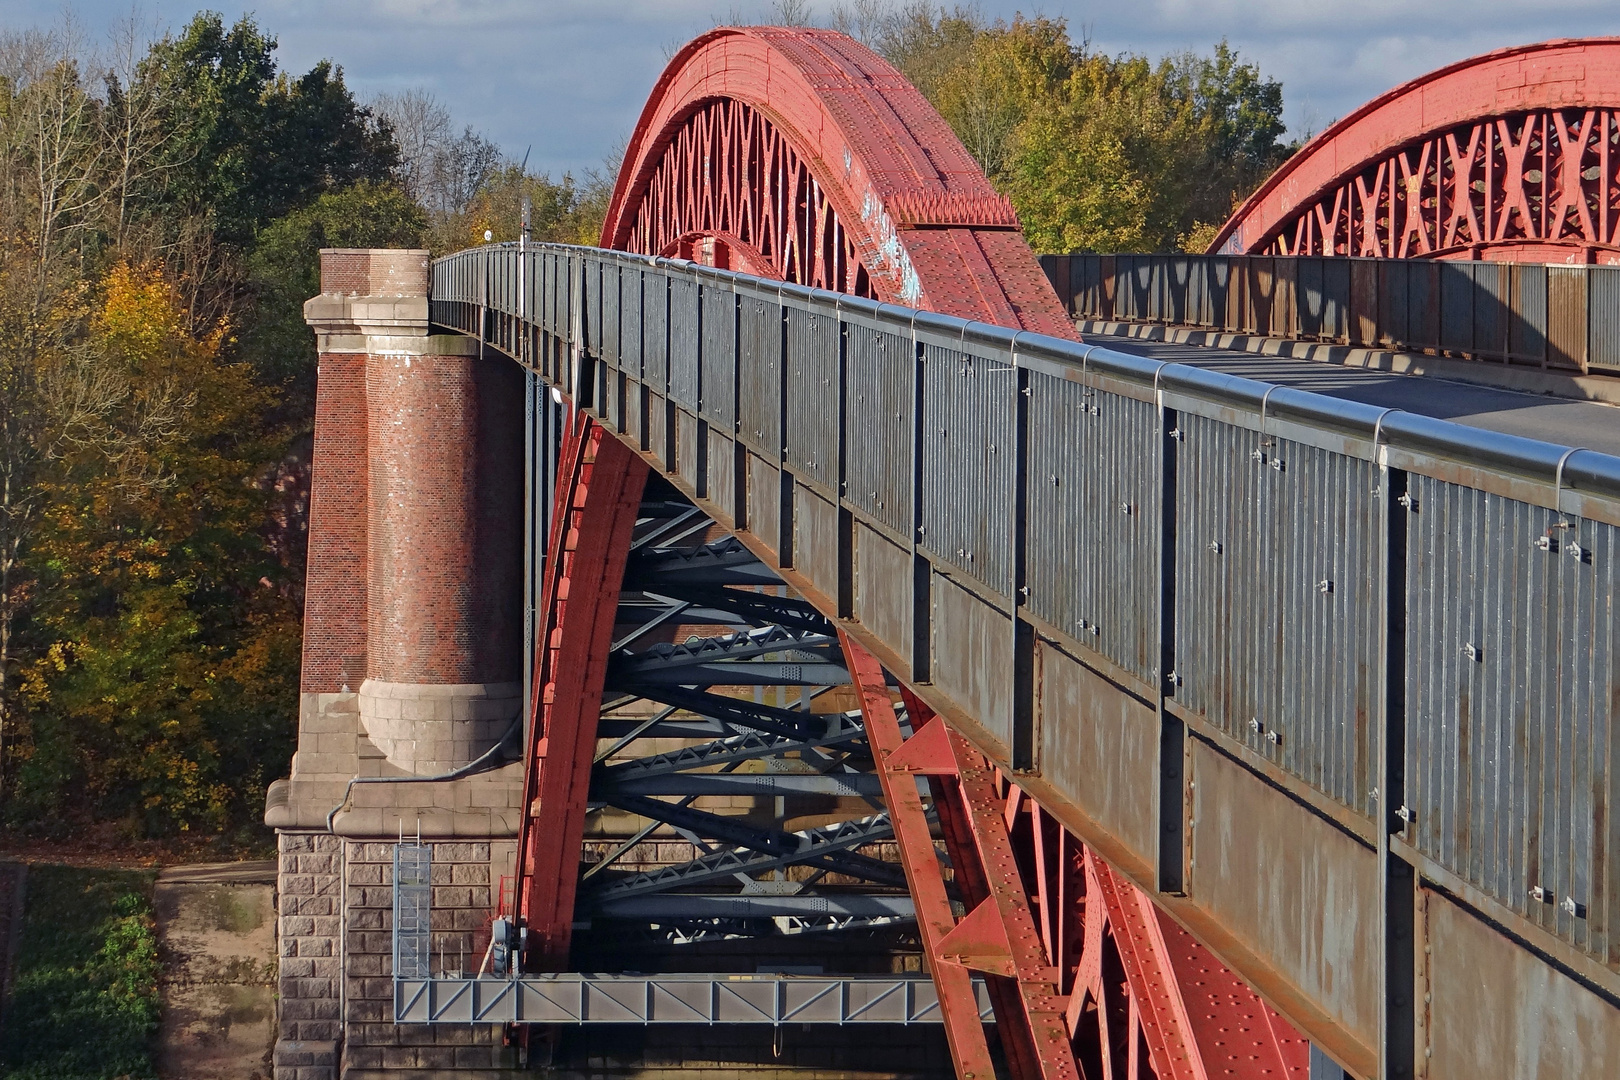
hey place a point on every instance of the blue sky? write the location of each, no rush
(567, 78)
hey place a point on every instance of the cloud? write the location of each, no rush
(569, 77)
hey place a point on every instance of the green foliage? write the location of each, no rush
(84, 1004)
(284, 270)
(247, 144)
(1097, 153)
(563, 212)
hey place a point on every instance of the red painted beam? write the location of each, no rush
(958, 1005)
(598, 496)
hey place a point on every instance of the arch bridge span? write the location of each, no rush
(1215, 725)
(1331, 683)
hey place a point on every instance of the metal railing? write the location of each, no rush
(1556, 317)
(1110, 570)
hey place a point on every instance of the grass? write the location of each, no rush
(84, 1003)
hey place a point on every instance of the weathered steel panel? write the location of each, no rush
(1093, 519)
(1566, 316)
(1393, 307)
(815, 539)
(971, 655)
(883, 588)
(655, 331)
(686, 447)
(1335, 300)
(1100, 744)
(1225, 290)
(1365, 328)
(1279, 602)
(1177, 271)
(759, 375)
(1512, 679)
(1423, 304)
(630, 322)
(764, 495)
(1296, 890)
(1456, 306)
(1490, 334)
(1495, 1011)
(811, 372)
(1309, 301)
(1527, 314)
(721, 471)
(1260, 290)
(879, 417)
(1603, 319)
(719, 363)
(683, 342)
(968, 463)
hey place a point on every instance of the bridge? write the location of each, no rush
(778, 616)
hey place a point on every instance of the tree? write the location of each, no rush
(157, 603)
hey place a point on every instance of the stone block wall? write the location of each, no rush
(335, 934)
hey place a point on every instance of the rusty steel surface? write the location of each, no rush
(1508, 156)
(598, 492)
(800, 154)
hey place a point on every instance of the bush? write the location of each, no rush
(84, 1005)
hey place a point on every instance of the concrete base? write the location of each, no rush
(428, 729)
(217, 935)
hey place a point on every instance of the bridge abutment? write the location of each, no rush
(411, 669)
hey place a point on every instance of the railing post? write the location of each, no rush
(1397, 878)
(1170, 798)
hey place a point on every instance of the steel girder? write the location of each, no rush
(1506, 156)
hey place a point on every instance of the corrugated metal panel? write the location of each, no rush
(610, 313)
(1512, 677)
(1423, 304)
(1308, 299)
(1491, 320)
(811, 373)
(877, 435)
(1456, 306)
(655, 330)
(719, 387)
(1093, 519)
(1198, 291)
(1285, 305)
(630, 313)
(1527, 318)
(1364, 317)
(1392, 302)
(1336, 300)
(759, 378)
(1566, 316)
(1603, 318)
(968, 463)
(683, 342)
(1278, 601)
(593, 306)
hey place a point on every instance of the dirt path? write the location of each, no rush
(216, 934)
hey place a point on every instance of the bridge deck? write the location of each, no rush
(1588, 424)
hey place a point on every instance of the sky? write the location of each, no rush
(564, 80)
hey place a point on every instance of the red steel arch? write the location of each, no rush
(803, 155)
(799, 154)
(1511, 156)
